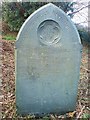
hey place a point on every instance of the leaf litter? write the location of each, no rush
(8, 87)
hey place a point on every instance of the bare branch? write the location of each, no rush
(79, 9)
(82, 22)
(80, 113)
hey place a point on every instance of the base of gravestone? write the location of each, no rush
(40, 115)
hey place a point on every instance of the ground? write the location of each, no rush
(8, 85)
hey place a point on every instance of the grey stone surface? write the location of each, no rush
(48, 55)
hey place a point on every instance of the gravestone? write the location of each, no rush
(48, 55)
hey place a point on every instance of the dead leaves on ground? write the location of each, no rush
(8, 86)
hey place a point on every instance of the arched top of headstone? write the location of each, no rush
(48, 25)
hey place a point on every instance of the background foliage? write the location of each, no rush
(15, 13)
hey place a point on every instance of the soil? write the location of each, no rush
(8, 85)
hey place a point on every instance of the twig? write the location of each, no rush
(80, 113)
(79, 9)
(82, 22)
(88, 108)
(85, 68)
(80, 104)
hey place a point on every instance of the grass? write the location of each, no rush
(9, 37)
(86, 116)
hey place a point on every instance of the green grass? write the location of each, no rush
(9, 37)
(86, 116)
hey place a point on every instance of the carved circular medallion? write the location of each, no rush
(49, 32)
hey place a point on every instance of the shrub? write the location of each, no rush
(15, 13)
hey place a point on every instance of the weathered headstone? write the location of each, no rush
(48, 55)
